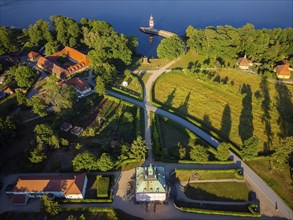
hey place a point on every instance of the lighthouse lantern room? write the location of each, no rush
(152, 23)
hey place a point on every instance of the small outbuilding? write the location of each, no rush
(283, 71)
(244, 63)
(76, 130)
(65, 126)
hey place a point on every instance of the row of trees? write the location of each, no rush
(88, 161)
(227, 42)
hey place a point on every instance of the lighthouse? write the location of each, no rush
(152, 23)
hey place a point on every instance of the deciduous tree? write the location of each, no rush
(198, 153)
(84, 161)
(282, 154)
(138, 149)
(250, 148)
(24, 76)
(105, 162)
(170, 48)
(49, 206)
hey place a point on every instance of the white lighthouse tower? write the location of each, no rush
(152, 23)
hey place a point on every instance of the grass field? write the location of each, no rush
(154, 64)
(234, 104)
(187, 174)
(220, 191)
(280, 181)
(102, 184)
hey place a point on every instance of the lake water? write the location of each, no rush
(175, 16)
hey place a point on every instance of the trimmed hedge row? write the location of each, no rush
(85, 201)
(207, 162)
(93, 210)
(114, 99)
(115, 89)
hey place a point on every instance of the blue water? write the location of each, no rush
(127, 16)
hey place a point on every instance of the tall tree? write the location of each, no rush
(283, 153)
(198, 153)
(39, 33)
(100, 86)
(138, 149)
(44, 133)
(84, 161)
(105, 162)
(250, 148)
(24, 76)
(7, 43)
(37, 155)
(170, 48)
(38, 106)
(49, 206)
(223, 151)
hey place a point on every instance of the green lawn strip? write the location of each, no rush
(279, 181)
(218, 191)
(92, 213)
(153, 64)
(233, 210)
(187, 174)
(204, 101)
(127, 92)
(103, 185)
(146, 77)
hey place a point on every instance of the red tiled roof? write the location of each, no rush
(243, 61)
(69, 184)
(283, 69)
(48, 65)
(78, 83)
(33, 56)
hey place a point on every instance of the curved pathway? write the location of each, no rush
(271, 203)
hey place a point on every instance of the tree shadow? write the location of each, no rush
(245, 127)
(226, 123)
(266, 117)
(207, 121)
(285, 109)
(207, 61)
(184, 105)
(170, 98)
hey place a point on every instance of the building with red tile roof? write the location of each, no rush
(81, 86)
(283, 71)
(51, 64)
(244, 63)
(70, 186)
(33, 56)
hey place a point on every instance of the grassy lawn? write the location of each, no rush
(154, 64)
(236, 108)
(221, 191)
(134, 85)
(102, 184)
(280, 181)
(130, 166)
(145, 77)
(188, 58)
(187, 174)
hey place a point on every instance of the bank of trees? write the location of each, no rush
(227, 43)
(170, 48)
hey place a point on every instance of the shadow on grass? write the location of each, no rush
(226, 123)
(245, 127)
(200, 194)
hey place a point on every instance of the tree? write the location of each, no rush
(49, 206)
(39, 33)
(62, 97)
(24, 76)
(170, 48)
(71, 217)
(105, 162)
(7, 128)
(283, 153)
(84, 161)
(38, 106)
(21, 98)
(138, 149)
(198, 153)
(7, 44)
(67, 30)
(51, 47)
(44, 133)
(181, 151)
(250, 148)
(128, 117)
(100, 86)
(37, 155)
(223, 151)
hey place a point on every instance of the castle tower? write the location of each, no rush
(152, 23)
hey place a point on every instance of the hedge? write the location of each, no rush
(93, 210)
(206, 162)
(86, 201)
(137, 125)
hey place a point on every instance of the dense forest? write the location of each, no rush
(226, 43)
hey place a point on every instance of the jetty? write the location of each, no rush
(151, 30)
